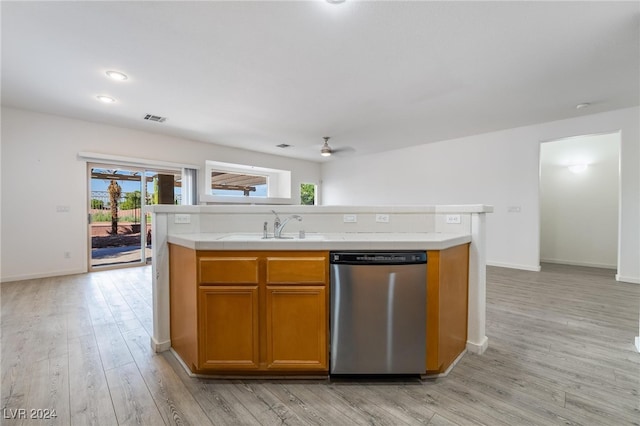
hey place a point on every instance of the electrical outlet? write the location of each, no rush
(382, 218)
(62, 209)
(182, 218)
(515, 209)
(350, 218)
(453, 218)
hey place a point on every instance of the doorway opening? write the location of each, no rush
(580, 200)
(119, 229)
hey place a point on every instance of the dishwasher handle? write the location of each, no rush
(378, 258)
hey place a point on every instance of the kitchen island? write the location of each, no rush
(265, 294)
(321, 241)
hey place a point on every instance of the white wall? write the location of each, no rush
(41, 170)
(499, 169)
(579, 211)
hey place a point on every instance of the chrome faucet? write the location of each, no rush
(278, 225)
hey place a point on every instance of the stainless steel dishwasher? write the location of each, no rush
(378, 312)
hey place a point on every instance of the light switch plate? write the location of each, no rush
(453, 218)
(182, 218)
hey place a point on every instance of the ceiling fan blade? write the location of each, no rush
(343, 150)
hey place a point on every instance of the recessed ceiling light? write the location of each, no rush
(283, 145)
(335, 1)
(578, 168)
(117, 75)
(583, 105)
(105, 99)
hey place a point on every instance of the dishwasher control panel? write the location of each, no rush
(379, 258)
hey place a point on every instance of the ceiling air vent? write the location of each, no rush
(156, 118)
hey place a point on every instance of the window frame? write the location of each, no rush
(278, 184)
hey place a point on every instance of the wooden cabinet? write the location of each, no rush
(228, 328)
(447, 306)
(296, 327)
(297, 312)
(224, 270)
(228, 313)
(255, 312)
(258, 312)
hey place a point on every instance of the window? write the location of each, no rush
(225, 183)
(228, 182)
(308, 194)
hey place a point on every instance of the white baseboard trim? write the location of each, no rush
(575, 263)
(42, 275)
(638, 343)
(631, 280)
(514, 266)
(478, 348)
(160, 346)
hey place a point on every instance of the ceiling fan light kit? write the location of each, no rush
(326, 149)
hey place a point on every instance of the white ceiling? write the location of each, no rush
(374, 76)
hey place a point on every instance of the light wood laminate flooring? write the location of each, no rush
(560, 352)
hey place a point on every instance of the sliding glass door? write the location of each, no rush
(119, 230)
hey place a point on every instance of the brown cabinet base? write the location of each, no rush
(447, 306)
(251, 312)
(266, 313)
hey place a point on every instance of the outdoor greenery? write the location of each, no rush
(97, 204)
(105, 216)
(131, 201)
(307, 194)
(156, 189)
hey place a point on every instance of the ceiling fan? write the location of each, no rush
(326, 150)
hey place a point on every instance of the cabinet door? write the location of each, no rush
(228, 322)
(296, 328)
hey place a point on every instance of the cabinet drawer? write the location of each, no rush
(297, 270)
(228, 270)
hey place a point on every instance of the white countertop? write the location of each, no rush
(324, 241)
(226, 209)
